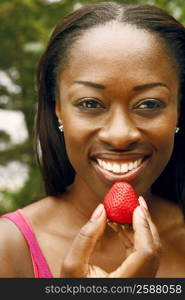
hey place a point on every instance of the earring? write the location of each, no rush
(177, 129)
(61, 127)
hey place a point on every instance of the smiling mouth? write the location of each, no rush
(119, 168)
(114, 170)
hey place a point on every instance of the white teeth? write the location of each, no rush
(124, 168)
(130, 166)
(139, 161)
(119, 167)
(100, 162)
(104, 164)
(116, 168)
(135, 164)
(109, 167)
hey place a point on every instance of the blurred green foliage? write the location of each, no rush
(25, 29)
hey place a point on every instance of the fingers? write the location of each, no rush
(152, 226)
(76, 262)
(143, 238)
(152, 232)
(145, 259)
(122, 234)
(126, 235)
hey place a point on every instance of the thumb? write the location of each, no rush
(76, 262)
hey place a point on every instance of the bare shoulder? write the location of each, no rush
(166, 214)
(171, 222)
(43, 212)
(15, 260)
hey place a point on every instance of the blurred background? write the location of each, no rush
(25, 26)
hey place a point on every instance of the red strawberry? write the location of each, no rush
(120, 202)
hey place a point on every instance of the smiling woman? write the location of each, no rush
(111, 102)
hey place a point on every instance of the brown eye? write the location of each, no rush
(90, 104)
(151, 104)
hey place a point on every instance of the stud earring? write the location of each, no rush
(177, 129)
(61, 127)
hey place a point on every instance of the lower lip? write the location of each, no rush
(110, 178)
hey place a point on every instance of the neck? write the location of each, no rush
(82, 198)
(83, 201)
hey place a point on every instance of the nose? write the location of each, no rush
(119, 130)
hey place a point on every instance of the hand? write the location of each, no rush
(142, 262)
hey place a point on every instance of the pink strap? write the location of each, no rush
(40, 266)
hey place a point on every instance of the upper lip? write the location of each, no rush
(119, 156)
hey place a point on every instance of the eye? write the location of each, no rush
(150, 104)
(90, 104)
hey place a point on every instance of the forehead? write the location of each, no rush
(117, 50)
(115, 37)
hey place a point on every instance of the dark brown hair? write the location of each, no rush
(52, 157)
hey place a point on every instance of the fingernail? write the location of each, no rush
(126, 226)
(98, 211)
(142, 202)
(114, 226)
(141, 212)
(123, 226)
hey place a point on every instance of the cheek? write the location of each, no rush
(160, 134)
(160, 130)
(79, 135)
(77, 145)
(78, 131)
(164, 143)
(162, 137)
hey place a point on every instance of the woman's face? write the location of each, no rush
(118, 104)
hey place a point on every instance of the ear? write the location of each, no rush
(58, 109)
(179, 104)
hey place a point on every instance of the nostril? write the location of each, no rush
(120, 144)
(130, 147)
(119, 131)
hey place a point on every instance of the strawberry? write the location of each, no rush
(120, 202)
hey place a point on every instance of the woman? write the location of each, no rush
(111, 93)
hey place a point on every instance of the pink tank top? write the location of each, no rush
(40, 266)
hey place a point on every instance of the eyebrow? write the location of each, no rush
(91, 84)
(136, 88)
(149, 85)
